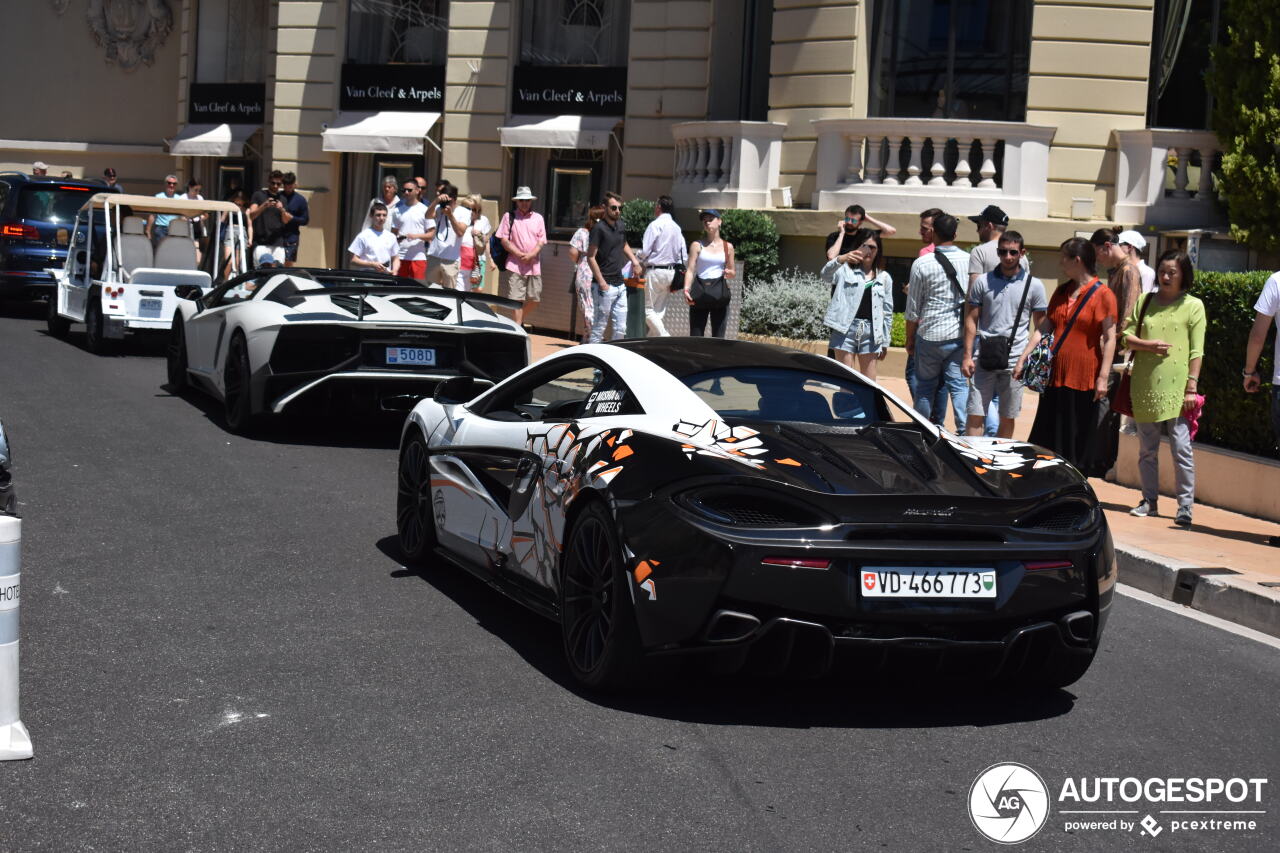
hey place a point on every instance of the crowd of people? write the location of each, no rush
(450, 242)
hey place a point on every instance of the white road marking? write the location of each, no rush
(1183, 610)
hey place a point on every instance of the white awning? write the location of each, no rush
(211, 140)
(380, 133)
(558, 132)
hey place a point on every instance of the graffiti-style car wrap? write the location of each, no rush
(763, 507)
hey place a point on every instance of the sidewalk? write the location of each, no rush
(1222, 566)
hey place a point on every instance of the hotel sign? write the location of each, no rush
(561, 90)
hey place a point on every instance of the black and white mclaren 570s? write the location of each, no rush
(280, 339)
(763, 507)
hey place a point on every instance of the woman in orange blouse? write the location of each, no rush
(1067, 415)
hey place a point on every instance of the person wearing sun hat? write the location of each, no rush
(523, 236)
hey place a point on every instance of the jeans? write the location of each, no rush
(939, 407)
(1184, 462)
(938, 365)
(610, 304)
(992, 425)
(1275, 411)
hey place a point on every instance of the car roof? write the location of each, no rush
(45, 180)
(688, 356)
(150, 204)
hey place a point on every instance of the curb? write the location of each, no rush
(1209, 590)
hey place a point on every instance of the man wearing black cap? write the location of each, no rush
(991, 222)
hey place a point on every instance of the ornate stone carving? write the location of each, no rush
(131, 31)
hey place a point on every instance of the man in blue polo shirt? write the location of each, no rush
(158, 223)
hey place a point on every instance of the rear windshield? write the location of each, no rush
(774, 394)
(51, 203)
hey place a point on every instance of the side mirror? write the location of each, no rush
(458, 389)
(187, 291)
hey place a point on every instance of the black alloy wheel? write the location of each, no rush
(94, 337)
(58, 325)
(176, 361)
(597, 617)
(415, 514)
(239, 414)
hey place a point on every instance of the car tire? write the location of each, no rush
(95, 340)
(176, 361)
(415, 511)
(597, 616)
(237, 388)
(59, 326)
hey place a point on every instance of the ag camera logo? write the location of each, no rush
(1008, 803)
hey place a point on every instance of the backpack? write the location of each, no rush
(496, 250)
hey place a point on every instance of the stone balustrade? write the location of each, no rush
(728, 164)
(1164, 178)
(899, 165)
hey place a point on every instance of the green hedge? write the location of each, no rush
(1232, 418)
(755, 242)
(898, 338)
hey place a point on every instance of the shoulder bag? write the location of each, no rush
(1038, 368)
(496, 250)
(1122, 402)
(951, 273)
(993, 353)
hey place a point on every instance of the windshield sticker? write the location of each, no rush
(605, 402)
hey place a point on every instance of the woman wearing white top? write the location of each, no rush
(390, 189)
(471, 256)
(710, 263)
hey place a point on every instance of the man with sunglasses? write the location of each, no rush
(411, 222)
(996, 316)
(158, 223)
(607, 253)
(840, 241)
(266, 212)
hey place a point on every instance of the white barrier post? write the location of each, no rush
(15, 743)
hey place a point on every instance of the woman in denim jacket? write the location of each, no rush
(861, 312)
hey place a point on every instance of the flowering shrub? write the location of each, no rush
(790, 304)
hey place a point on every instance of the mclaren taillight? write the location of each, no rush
(1044, 565)
(20, 230)
(796, 562)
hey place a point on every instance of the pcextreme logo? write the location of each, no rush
(1008, 803)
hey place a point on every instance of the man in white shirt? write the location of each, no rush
(375, 247)
(413, 230)
(451, 221)
(662, 251)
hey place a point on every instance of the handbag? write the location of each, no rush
(496, 250)
(1122, 401)
(709, 293)
(993, 353)
(1038, 368)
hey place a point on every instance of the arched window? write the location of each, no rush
(386, 31)
(575, 32)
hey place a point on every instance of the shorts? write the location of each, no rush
(442, 272)
(291, 252)
(986, 385)
(857, 340)
(268, 255)
(524, 288)
(414, 269)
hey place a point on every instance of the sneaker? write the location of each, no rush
(1183, 518)
(1144, 509)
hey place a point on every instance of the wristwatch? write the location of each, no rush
(1247, 373)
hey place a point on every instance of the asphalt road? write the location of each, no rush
(221, 651)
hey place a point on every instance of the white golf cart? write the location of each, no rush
(116, 282)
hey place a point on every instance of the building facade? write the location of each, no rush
(1068, 114)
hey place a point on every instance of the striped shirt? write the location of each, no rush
(932, 300)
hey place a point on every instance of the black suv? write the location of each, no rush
(36, 218)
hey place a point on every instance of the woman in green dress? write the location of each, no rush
(1165, 331)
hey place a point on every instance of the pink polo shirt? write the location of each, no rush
(525, 233)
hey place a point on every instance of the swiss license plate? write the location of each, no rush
(927, 582)
(150, 308)
(411, 355)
